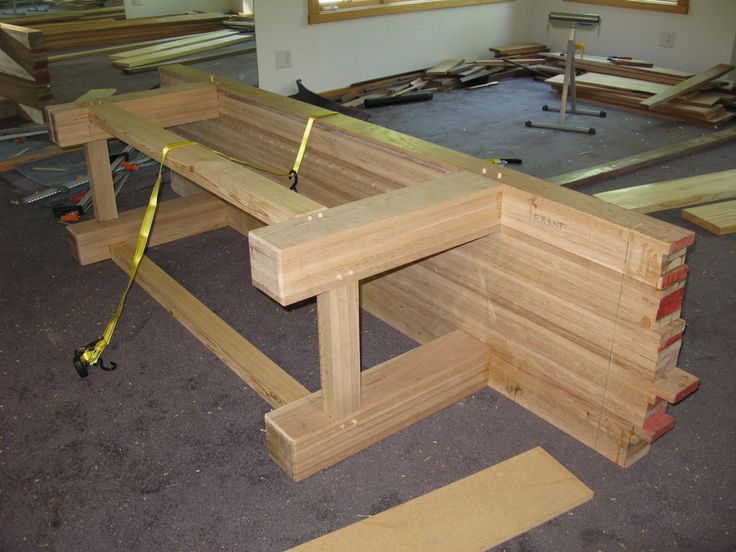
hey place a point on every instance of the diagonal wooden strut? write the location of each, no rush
(265, 377)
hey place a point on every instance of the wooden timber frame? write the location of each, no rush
(563, 303)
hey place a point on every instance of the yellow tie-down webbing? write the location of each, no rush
(91, 355)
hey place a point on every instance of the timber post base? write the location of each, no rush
(561, 302)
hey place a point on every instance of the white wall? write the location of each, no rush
(703, 38)
(334, 54)
(151, 8)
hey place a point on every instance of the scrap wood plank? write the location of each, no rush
(444, 67)
(719, 218)
(180, 51)
(693, 83)
(473, 514)
(33, 156)
(217, 54)
(175, 42)
(265, 377)
(633, 162)
(669, 194)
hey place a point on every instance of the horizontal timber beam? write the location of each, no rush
(175, 219)
(70, 124)
(301, 258)
(265, 377)
(242, 187)
(303, 439)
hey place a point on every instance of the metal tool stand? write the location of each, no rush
(568, 89)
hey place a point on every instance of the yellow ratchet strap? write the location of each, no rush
(91, 354)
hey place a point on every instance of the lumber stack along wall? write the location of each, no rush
(579, 301)
(24, 75)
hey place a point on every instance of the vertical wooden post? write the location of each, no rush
(339, 349)
(100, 180)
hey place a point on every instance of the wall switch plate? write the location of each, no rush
(283, 59)
(137, 2)
(667, 39)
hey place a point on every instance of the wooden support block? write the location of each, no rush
(266, 378)
(248, 190)
(718, 218)
(338, 313)
(301, 258)
(303, 439)
(70, 125)
(475, 513)
(176, 218)
(97, 156)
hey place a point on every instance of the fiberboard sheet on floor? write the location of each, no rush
(470, 515)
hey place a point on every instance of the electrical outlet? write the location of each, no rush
(283, 59)
(667, 39)
(137, 2)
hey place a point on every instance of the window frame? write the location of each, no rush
(672, 6)
(370, 8)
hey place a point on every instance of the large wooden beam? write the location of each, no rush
(248, 190)
(265, 377)
(298, 259)
(303, 439)
(97, 156)
(70, 124)
(175, 219)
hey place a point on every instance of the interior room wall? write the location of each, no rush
(334, 54)
(703, 38)
(152, 8)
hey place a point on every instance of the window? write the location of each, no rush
(321, 11)
(675, 6)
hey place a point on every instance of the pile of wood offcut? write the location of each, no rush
(675, 95)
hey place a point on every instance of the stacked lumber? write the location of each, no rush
(605, 66)
(182, 50)
(85, 34)
(579, 302)
(58, 16)
(514, 51)
(445, 76)
(698, 106)
(24, 75)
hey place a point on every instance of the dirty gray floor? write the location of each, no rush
(168, 452)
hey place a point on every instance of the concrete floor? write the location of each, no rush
(168, 452)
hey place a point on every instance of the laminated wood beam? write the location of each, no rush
(303, 439)
(244, 188)
(70, 124)
(341, 129)
(298, 259)
(638, 160)
(175, 219)
(265, 377)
